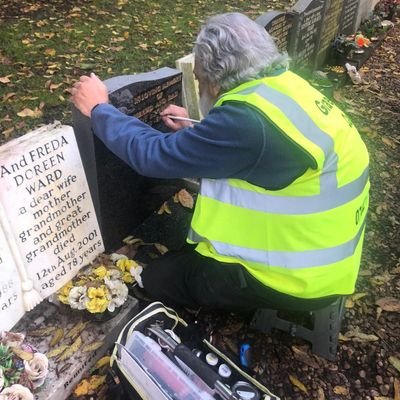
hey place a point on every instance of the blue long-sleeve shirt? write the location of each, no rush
(233, 141)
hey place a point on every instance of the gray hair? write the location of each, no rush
(232, 49)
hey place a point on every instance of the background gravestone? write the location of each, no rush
(349, 17)
(279, 25)
(330, 28)
(307, 32)
(122, 197)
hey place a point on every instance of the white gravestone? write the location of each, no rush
(47, 216)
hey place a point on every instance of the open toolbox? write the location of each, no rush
(155, 363)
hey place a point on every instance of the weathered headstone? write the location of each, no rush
(122, 197)
(279, 25)
(349, 17)
(330, 29)
(48, 224)
(307, 32)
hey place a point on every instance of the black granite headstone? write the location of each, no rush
(123, 198)
(279, 25)
(307, 32)
(349, 17)
(330, 29)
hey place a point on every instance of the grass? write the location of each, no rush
(46, 46)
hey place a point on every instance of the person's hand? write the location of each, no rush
(177, 111)
(88, 92)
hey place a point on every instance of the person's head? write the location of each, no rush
(229, 50)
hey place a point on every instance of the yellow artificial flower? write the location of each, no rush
(127, 277)
(97, 305)
(64, 292)
(101, 271)
(97, 292)
(124, 264)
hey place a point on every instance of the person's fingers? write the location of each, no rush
(84, 78)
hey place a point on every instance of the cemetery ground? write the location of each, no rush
(46, 46)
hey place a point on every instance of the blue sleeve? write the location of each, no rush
(227, 143)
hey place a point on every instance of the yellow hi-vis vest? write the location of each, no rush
(305, 239)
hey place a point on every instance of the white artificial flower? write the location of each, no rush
(114, 273)
(37, 369)
(136, 273)
(16, 392)
(114, 257)
(118, 293)
(77, 298)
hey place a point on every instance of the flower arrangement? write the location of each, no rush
(102, 288)
(22, 367)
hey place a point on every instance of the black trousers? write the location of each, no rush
(186, 278)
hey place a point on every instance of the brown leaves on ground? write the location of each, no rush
(389, 304)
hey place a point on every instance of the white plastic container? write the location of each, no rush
(162, 371)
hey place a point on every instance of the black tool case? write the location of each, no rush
(154, 363)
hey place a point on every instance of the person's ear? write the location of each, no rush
(214, 90)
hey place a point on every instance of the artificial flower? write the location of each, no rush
(77, 298)
(37, 369)
(114, 273)
(64, 292)
(16, 392)
(97, 305)
(125, 264)
(136, 272)
(98, 299)
(127, 277)
(11, 339)
(118, 293)
(100, 271)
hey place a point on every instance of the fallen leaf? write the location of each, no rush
(7, 133)
(24, 355)
(305, 358)
(92, 346)
(50, 52)
(395, 362)
(82, 389)
(298, 384)
(57, 336)
(5, 79)
(54, 86)
(356, 336)
(42, 331)
(161, 248)
(164, 209)
(76, 330)
(185, 198)
(321, 394)
(341, 390)
(27, 112)
(388, 142)
(396, 386)
(57, 351)
(8, 96)
(72, 349)
(131, 240)
(389, 304)
(101, 363)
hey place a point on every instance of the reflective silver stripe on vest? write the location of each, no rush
(285, 259)
(299, 118)
(222, 191)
